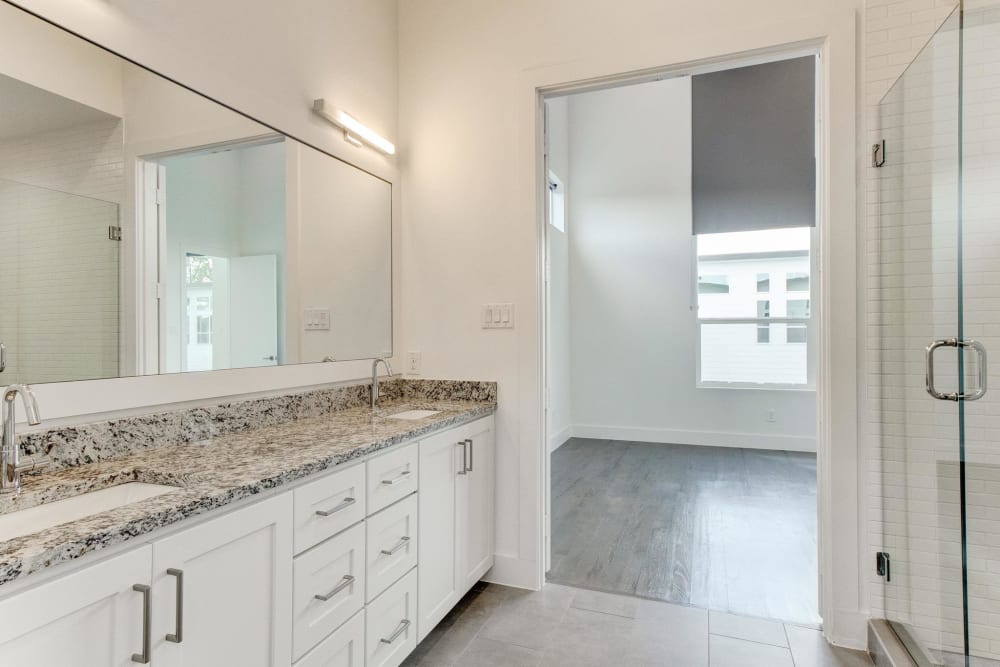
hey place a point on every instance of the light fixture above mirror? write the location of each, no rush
(355, 131)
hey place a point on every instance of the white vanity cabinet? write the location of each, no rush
(93, 616)
(456, 517)
(349, 568)
(222, 590)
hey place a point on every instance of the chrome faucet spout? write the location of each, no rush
(10, 464)
(388, 370)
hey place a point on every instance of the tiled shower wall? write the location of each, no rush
(59, 193)
(913, 440)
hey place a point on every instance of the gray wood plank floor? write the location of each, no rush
(714, 527)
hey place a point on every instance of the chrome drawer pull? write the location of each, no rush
(465, 457)
(143, 658)
(178, 635)
(344, 583)
(396, 480)
(472, 451)
(347, 502)
(403, 541)
(403, 624)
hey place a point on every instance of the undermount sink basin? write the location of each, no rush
(414, 414)
(47, 515)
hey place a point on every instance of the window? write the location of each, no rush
(713, 284)
(557, 203)
(754, 308)
(203, 324)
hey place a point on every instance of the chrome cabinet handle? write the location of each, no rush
(403, 476)
(954, 395)
(344, 583)
(403, 624)
(465, 457)
(178, 636)
(143, 658)
(344, 504)
(3, 357)
(403, 541)
(472, 451)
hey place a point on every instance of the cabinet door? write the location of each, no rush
(222, 590)
(476, 507)
(441, 466)
(90, 617)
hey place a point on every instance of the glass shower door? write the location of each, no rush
(918, 300)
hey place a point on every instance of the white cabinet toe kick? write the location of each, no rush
(350, 568)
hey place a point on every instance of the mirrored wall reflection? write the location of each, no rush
(150, 230)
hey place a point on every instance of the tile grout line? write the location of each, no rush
(788, 640)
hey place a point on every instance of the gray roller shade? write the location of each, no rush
(753, 147)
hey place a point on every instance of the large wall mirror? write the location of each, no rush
(146, 229)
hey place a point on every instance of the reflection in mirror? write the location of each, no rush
(148, 229)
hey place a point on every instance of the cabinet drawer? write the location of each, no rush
(329, 505)
(334, 569)
(391, 477)
(391, 545)
(391, 624)
(344, 648)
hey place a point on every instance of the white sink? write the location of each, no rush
(47, 515)
(414, 414)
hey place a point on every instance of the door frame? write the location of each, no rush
(841, 545)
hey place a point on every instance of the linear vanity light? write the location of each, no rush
(355, 131)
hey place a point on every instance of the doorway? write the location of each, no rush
(682, 326)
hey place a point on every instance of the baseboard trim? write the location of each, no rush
(787, 443)
(514, 572)
(559, 439)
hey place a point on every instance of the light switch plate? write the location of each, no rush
(316, 319)
(497, 316)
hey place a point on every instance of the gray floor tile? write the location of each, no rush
(810, 649)
(607, 603)
(749, 628)
(731, 652)
(488, 653)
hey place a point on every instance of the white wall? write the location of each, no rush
(469, 133)
(634, 331)
(559, 342)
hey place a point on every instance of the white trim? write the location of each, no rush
(834, 35)
(512, 571)
(785, 443)
(559, 439)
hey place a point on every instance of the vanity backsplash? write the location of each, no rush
(80, 444)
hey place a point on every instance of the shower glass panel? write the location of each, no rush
(938, 296)
(59, 285)
(919, 238)
(980, 179)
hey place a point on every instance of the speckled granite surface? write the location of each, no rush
(99, 441)
(218, 468)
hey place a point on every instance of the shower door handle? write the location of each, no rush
(961, 344)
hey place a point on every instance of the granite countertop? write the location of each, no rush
(212, 472)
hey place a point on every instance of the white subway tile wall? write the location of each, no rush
(59, 278)
(911, 298)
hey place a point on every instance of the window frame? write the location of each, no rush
(811, 323)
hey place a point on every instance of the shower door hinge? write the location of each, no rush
(878, 154)
(115, 233)
(883, 566)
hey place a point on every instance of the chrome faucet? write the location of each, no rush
(388, 369)
(11, 466)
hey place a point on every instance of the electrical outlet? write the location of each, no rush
(413, 363)
(771, 416)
